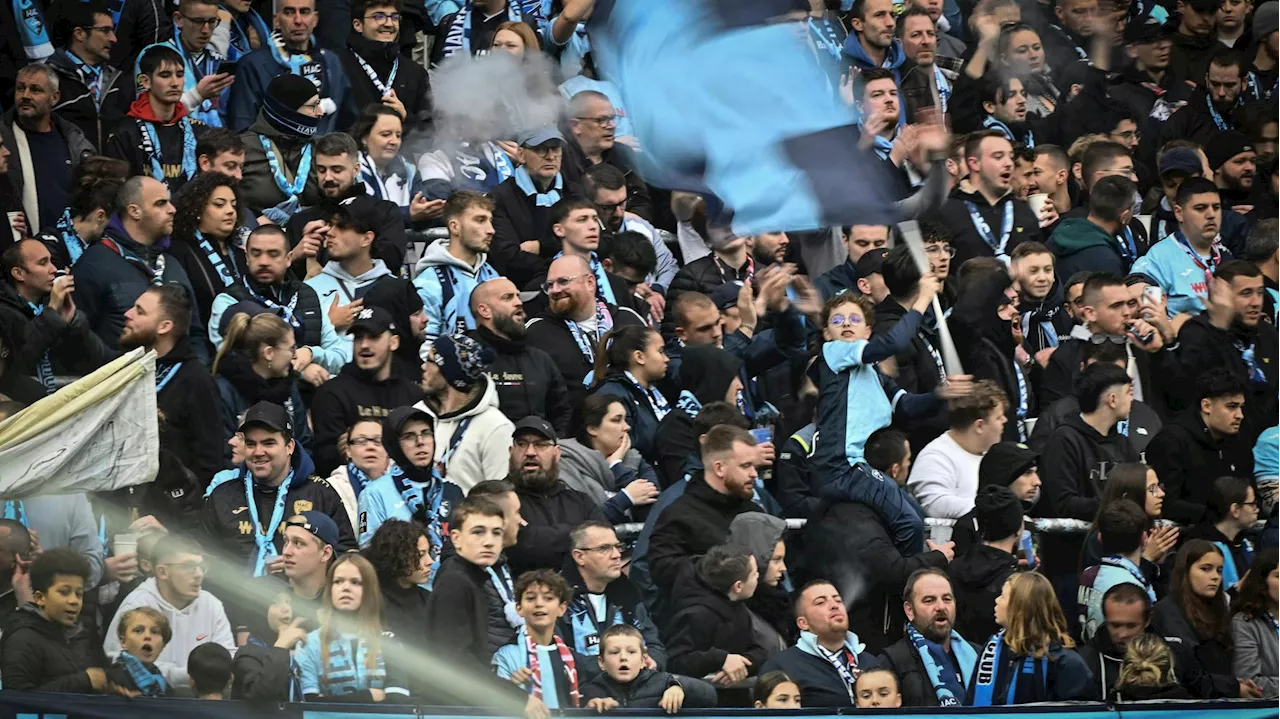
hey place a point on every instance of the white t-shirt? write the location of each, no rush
(945, 478)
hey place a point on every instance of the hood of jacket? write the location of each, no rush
(979, 308)
(151, 591)
(391, 426)
(236, 368)
(501, 345)
(9, 296)
(334, 269)
(981, 566)
(401, 299)
(484, 400)
(808, 644)
(1190, 421)
(438, 254)
(759, 533)
(141, 109)
(853, 49)
(585, 470)
(118, 234)
(707, 371)
(1090, 435)
(1076, 234)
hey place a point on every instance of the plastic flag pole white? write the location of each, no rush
(910, 231)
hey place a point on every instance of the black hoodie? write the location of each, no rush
(355, 394)
(1202, 347)
(977, 578)
(706, 373)
(694, 523)
(528, 381)
(1187, 458)
(36, 655)
(401, 299)
(1075, 463)
(239, 388)
(986, 344)
(708, 627)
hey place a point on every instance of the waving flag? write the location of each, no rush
(726, 100)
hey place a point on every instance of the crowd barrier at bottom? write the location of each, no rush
(24, 705)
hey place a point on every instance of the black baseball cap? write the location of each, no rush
(269, 415)
(871, 263)
(535, 425)
(372, 321)
(361, 213)
(1139, 33)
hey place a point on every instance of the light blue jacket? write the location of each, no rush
(446, 307)
(335, 282)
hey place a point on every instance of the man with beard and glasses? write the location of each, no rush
(528, 380)
(321, 351)
(351, 270)
(371, 385)
(451, 268)
(551, 511)
(96, 94)
(574, 322)
(933, 662)
(472, 434)
(337, 159)
(45, 146)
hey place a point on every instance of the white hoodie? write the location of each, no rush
(484, 450)
(201, 622)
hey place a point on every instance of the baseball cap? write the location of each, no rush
(372, 321)
(726, 295)
(871, 263)
(269, 415)
(1137, 33)
(536, 425)
(1005, 462)
(1204, 7)
(319, 524)
(1181, 159)
(1226, 145)
(539, 136)
(361, 213)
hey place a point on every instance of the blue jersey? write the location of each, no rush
(347, 670)
(1266, 456)
(1180, 271)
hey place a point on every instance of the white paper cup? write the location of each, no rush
(17, 237)
(1037, 202)
(125, 543)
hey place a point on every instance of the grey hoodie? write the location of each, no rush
(333, 281)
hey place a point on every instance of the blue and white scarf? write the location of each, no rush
(32, 30)
(425, 501)
(16, 510)
(70, 238)
(150, 683)
(541, 199)
(90, 75)
(44, 369)
(688, 403)
(458, 38)
(265, 540)
(197, 66)
(290, 189)
(661, 408)
(151, 147)
(991, 123)
(1231, 573)
(946, 685)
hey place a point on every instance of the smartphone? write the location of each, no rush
(228, 66)
(762, 435)
(1155, 293)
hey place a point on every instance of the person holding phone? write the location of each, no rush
(205, 83)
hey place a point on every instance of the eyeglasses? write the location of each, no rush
(416, 437)
(540, 445)
(1129, 135)
(601, 120)
(1155, 490)
(104, 29)
(365, 441)
(558, 282)
(610, 209)
(384, 17)
(546, 149)
(606, 548)
(842, 320)
(210, 23)
(947, 250)
(1103, 339)
(191, 567)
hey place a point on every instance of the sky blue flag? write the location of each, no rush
(726, 102)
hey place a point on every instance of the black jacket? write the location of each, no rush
(646, 690)
(549, 516)
(97, 119)
(1144, 423)
(820, 684)
(355, 394)
(706, 373)
(107, 285)
(261, 673)
(707, 627)
(404, 612)
(849, 541)
(78, 148)
(528, 381)
(501, 633)
(913, 680)
(705, 274)
(411, 84)
(205, 281)
(1193, 122)
(977, 576)
(1170, 621)
(551, 335)
(1156, 371)
(190, 428)
(694, 523)
(308, 311)
(457, 613)
(1202, 347)
(622, 601)
(1105, 660)
(987, 348)
(964, 236)
(576, 164)
(918, 372)
(389, 241)
(1075, 462)
(126, 144)
(72, 346)
(239, 388)
(1190, 57)
(36, 655)
(516, 219)
(1187, 459)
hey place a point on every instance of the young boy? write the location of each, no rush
(1044, 318)
(144, 632)
(158, 139)
(629, 684)
(855, 399)
(877, 687)
(539, 661)
(711, 630)
(457, 615)
(209, 669)
(35, 653)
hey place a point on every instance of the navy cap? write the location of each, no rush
(726, 295)
(361, 213)
(319, 524)
(871, 263)
(1181, 159)
(244, 307)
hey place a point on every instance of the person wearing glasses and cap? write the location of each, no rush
(245, 506)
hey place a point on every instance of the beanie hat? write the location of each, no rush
(1224, 146)
(1266, 20)
(999, 512)
(1004, 463)
(461, 360)
(285, 96)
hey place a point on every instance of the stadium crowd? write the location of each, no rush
(435, 402)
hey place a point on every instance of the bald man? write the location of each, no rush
(114, 272)
(571, 327)
(527, 379)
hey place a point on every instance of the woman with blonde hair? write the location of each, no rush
(343, 660)
(1032, 658)
(255, 364)
(1148, 671)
